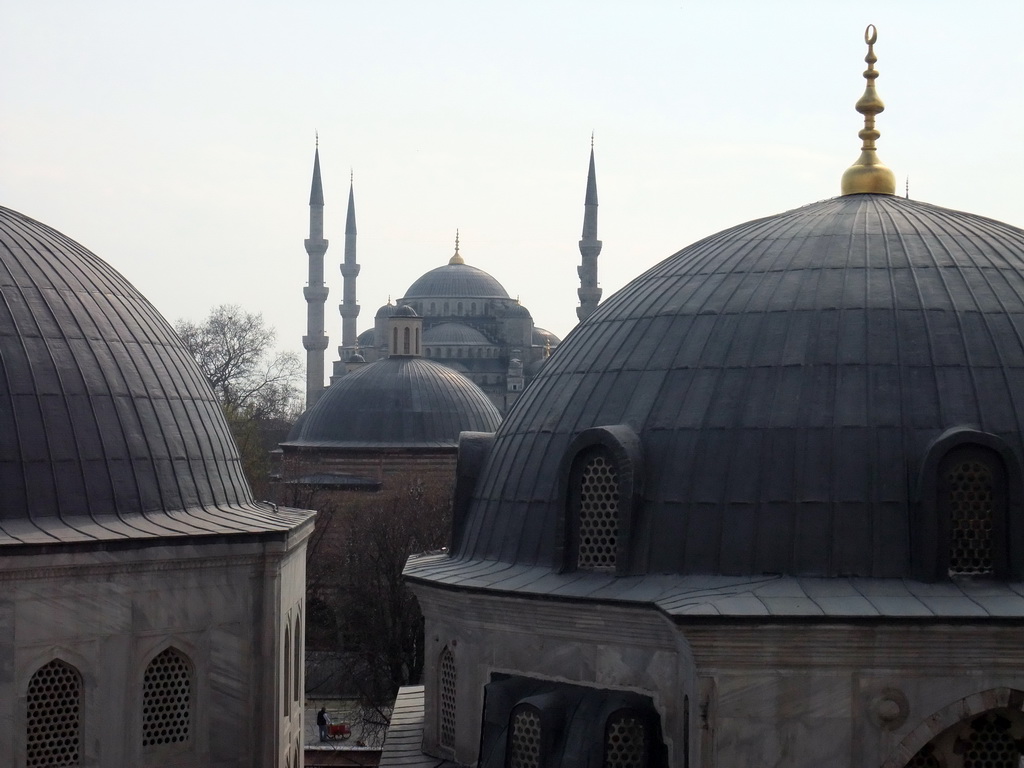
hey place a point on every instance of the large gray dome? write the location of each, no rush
(456, 281)
(107, 427)
(785, 381)
(401, 401)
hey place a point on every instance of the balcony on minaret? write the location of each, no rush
(315, 343)
(315, 292)
(316, 247)
(349, 310)
(349, 270)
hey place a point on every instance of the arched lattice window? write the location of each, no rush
(167, 699)
(394, 339)
(297, 659)
(416, 350)
(459, 310)
(524, 738)
(972, 499)
(286, 686)
(597, 499)
(626, 741)
(433, 308)
(989, 740)
(53, 732)
(406, 343)
(447, 688)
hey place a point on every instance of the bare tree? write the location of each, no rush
(235, 350)
(256, 384)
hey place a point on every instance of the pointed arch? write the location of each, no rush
(167, 699)
(286, 683)
(298, 658)
(53, 728)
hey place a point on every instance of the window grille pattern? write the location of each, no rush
(297, 666)
(924, 759)
(971, 489)
(53, 735)
(991, 745)
(599, 515)
(447, 698)
(167, 700)
(524, 741)
(625, 742)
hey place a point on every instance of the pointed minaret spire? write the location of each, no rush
(349, 271)
(590, 247)
(315, 291)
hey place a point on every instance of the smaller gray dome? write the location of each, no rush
(386, 311)
(357, 358)
(367, 338)
(517, 310)
(542, 336)
(404, 311)
(403, 401)
(454, 333)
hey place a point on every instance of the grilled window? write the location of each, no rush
(598, 517)
(447, 698)
(626, 743)
(972, 485)
(167, 699)
(524, 739)
(54, 728)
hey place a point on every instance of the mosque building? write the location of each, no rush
(387, 421)
(764, 507)
(470, 322)
(152, 611)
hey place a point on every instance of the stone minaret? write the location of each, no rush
(590, 248)
(315, 292)
(349, 270)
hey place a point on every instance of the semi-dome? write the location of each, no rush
(108, 430)
(542, 336)
(454, 333)
(773, 399)
(456, 281)
(402, 401)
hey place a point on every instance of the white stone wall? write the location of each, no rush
(109, 612)
(769, 694)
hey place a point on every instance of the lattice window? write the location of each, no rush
(626, 742)
(447, 698)
(924, 759)
(524, 747)
(53, 732)
(599, 514)
(971, 502)
(991, 745)
(286, 685)
(297, 665)
(167, 700)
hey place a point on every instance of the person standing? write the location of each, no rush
(322, 721)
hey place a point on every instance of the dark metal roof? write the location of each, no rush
(398, 402)
(748, 597)
(108, 430)
(785, 378)
(541, 336)
(454, 281)
(453, 333)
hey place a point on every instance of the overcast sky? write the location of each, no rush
(176, 140)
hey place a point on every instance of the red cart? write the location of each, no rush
(338, 731)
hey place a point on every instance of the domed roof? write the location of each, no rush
(399, 401)
(405, 311)
(456, 281)
(542, 336)
(454, 333)
(108, 430)
(386, 311)
(517, 310)
(784, 380)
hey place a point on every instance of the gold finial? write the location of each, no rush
(456, 259)
(868, 174)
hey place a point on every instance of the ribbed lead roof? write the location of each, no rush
(397, 402)
(785, 377)
(456, 281)
(107, 428)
